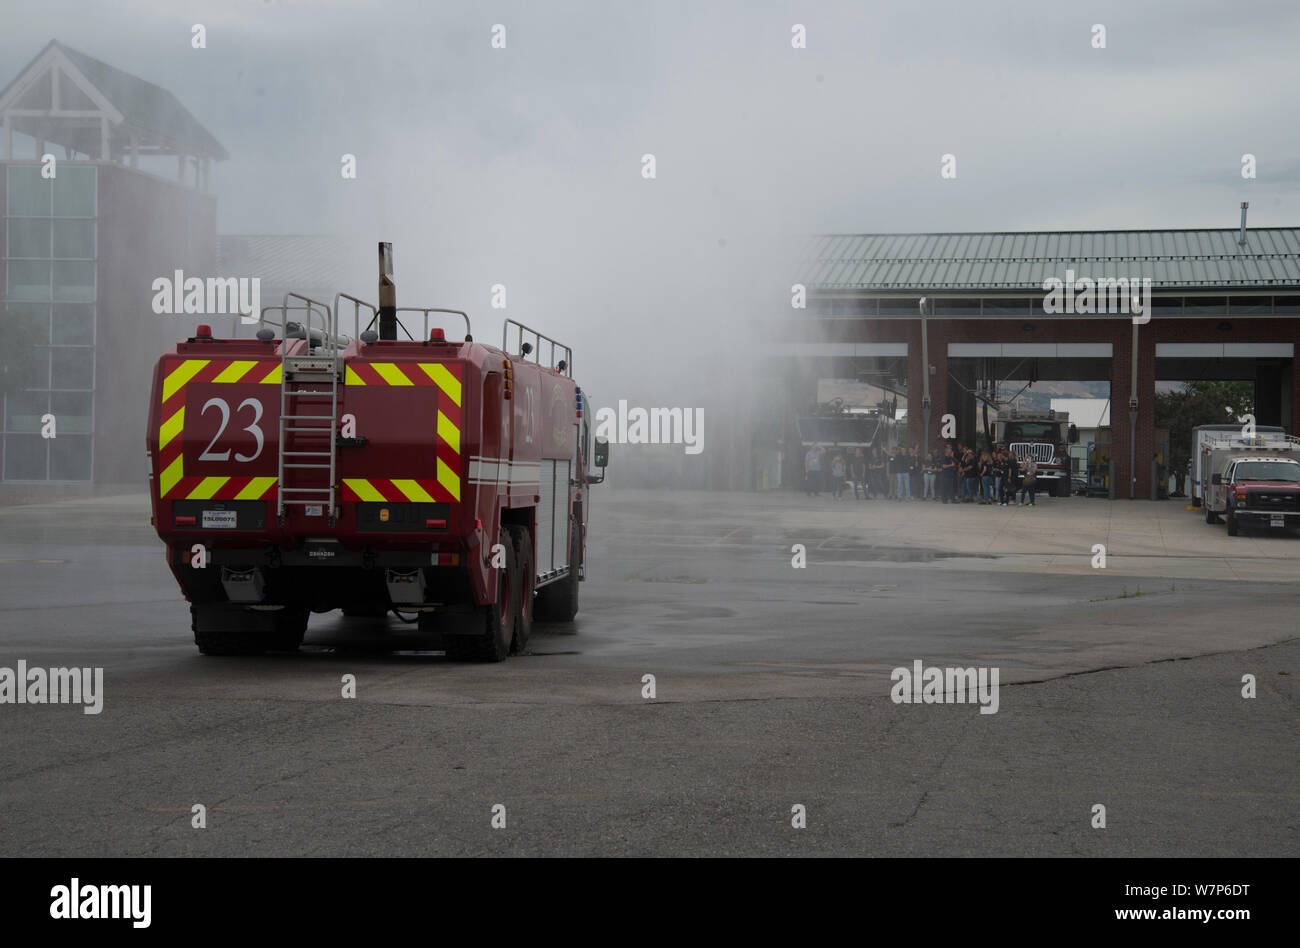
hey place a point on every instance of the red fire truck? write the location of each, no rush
(304, 471)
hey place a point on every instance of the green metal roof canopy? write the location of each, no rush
(983, 262)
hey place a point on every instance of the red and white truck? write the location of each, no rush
(304, 471)
(1253, 481)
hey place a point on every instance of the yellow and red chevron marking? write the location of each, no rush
(173, 483)
(395, 490)
(447, 379)
(445, 376)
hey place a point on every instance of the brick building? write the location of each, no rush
(1225, 305)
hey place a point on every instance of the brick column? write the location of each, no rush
(1146, 430)
(1293, 377)
(938, 345)
(1121, 369)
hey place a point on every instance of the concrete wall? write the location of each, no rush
(148, 228)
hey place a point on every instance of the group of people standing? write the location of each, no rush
(954, 474)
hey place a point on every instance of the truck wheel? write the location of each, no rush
(225, 629)
(495, 622)
(558, 602)
(1211, 516)
(527, 582)
(1232, 522)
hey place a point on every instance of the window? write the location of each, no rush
(70, 456)
(23, 411)
(29, 193)
(72, 367)
(25, 457)
(1266, 471)
(50, 273)
(28, 237)
(73, 325)
(74, 192)
(28, 279)
(73, 240)
(74, 280)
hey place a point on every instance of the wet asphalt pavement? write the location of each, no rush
(1119, 686)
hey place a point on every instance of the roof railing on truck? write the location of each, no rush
(563, 366)
(330, 317)
(1217, 440)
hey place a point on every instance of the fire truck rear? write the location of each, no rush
(1046, 437)
(305, 471)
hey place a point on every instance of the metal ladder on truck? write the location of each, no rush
(308, 452)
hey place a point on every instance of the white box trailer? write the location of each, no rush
(1205, 437)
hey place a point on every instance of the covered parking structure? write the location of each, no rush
(1225, 304)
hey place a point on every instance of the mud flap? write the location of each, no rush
(453, 620)
(223, 616)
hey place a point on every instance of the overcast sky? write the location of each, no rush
(522, 165)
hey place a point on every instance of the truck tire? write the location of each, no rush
(494, 624)
(225, 629)
(1211, 516)
(1232, 522)
(558, 602)
(527, 575)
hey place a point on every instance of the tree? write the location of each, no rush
(1199, 403)
(1237, 397)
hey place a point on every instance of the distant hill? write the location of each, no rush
(1038, 397)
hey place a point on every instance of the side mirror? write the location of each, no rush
(1216, 478)
(602, 453)
(1074, 434)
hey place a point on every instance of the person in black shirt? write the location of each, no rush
(948, 475)
(999, 474)
(1010, 482)
(876, 473)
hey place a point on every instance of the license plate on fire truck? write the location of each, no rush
(1277, 521)
(219, 520)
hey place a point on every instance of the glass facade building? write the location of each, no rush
(50, 266)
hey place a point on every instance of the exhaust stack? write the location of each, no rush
(387, 293)
(1241, 239)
